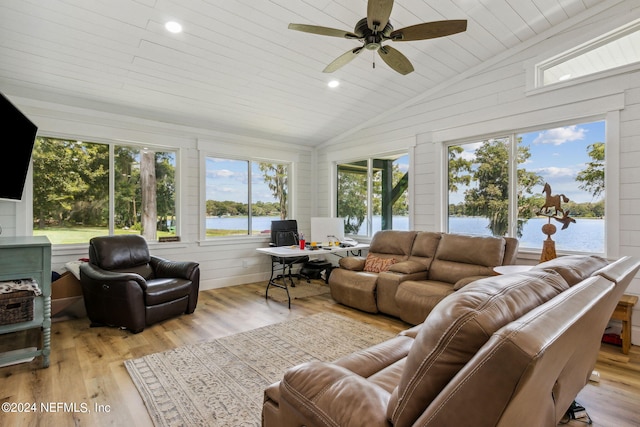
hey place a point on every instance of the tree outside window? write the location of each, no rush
(72, 195)
(569, 158)
(385, 206)
(244, 196)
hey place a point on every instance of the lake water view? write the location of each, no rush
(585, 235)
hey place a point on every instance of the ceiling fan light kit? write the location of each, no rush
(375, 29)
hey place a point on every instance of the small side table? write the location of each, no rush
(623, 312)
(512, 269)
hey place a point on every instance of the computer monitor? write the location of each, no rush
(323, 227)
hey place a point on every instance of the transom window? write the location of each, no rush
(495, 186)
(244, 196)
(614, 50)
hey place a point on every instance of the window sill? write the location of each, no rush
(530, 254)
(221, 241)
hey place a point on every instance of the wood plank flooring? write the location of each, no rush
(87, 384)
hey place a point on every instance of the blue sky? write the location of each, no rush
(228, 180)
(558, 155)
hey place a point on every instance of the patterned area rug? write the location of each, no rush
(301, 290)
(221, 383)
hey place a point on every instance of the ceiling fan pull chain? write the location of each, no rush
(374, 58)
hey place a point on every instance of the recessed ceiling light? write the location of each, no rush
(173, 27)
(333, 83)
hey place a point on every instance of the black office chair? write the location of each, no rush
(285, 233)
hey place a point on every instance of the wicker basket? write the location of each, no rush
(16, 307)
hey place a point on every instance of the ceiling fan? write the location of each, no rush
(376, 29)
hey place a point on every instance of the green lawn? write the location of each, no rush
(79, 235)
(63, 235)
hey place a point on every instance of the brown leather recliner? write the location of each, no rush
(503, 351)
(125, 286)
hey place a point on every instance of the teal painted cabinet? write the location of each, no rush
(22, 258)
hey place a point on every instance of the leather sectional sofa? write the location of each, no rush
(424, 267)
(510, 350)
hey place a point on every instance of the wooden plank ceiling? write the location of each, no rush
(237, 68)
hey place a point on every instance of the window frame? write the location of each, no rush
(369, 159)
(204, 155)
(111, 144)
(612, 157)
(593, 39)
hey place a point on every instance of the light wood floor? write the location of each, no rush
(87, 371)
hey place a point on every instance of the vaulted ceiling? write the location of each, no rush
(236, 67)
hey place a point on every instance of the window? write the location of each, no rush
(372, 194)
(611, 51)
(243, 196)
(495, 186)
(72, 196)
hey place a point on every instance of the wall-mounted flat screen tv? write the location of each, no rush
(18, 145)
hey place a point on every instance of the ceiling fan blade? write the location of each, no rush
(378, 12)
(343, 60)
(396, 60)
(323, 31)
(429, 30)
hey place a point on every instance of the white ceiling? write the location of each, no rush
(237, 68)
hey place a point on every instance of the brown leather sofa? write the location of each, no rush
(511, 350)
(123, 285)
(427, 266)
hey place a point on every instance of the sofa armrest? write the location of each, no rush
(166, 268)
(325, 394)
(353, 263)
(97, 276)
(408, 267)
(371, 360)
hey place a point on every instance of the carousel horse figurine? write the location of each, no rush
(553, 201)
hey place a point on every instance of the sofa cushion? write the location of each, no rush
(377, 264)
(460, 256)
(418, 297)
(574, 268)
(164, 290)
(457, 327)
(481, 250)
(393, 242)
(119, 252)
(424, 248)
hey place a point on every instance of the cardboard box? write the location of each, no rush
(66, 298)
(66, 286)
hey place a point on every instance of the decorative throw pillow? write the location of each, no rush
(376, 264)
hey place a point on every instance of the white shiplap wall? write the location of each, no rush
(223, 262)
(483, 99)
(494, 98)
